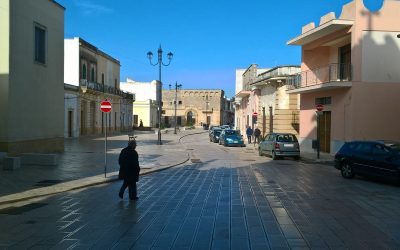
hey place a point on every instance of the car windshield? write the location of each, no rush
(395, 147)
(232, 132)
(286, 138)
(217, 132)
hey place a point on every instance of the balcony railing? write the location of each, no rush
(94, 86)
(277, 72)
(331, 73)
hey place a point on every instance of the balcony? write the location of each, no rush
(329, 77)
(97, 87)
(280, 72)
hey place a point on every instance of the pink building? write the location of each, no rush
(350, 65)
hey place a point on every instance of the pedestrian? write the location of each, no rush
(141, 123)
(249, 133)
(129, 170)
(257, 133)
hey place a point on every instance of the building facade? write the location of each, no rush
(350, 65)
(92, 76)
(264, 102)
(31, 76)
(145, 106)
(194, 107)
(247, 97)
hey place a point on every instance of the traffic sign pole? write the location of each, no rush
(105, 149)
(105, 107)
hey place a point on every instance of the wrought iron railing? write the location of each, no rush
(331, 73)
(108, 89)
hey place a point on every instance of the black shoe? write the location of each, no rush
(121, 195)
(134, 198)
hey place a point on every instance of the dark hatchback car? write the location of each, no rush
(371, 158)
(214, 135)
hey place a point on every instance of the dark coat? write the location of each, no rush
(129, 165)
(249, 131)
(257, 132)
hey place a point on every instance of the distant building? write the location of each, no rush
(194, 107)
(145, 106)
(31, 76)
(92, 76)
(263, 101)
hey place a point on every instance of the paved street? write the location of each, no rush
(225, 198)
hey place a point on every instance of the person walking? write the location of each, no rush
(249, 133)
(257, 133)
(129, 170)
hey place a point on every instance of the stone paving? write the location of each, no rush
(229, 199)
(82, 164)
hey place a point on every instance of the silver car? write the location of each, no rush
(279, 145)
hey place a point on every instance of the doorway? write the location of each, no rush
(325, 131)
(344, 69)
(70, 119)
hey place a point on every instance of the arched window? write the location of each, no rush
(84, 71)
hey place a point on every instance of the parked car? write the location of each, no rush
(279, 145)
(230, 137)
(372, 158)
(214, 134)
(225, 127)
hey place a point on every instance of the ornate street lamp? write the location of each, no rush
(177, 86)
(159, 86)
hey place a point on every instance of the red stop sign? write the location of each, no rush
(319, 107)
(105, 106)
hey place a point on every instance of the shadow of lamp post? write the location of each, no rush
(159, 86)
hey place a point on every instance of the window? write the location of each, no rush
(380, 150)
(84, 71)
(115, 83)
(40, 44)
(179, 102)
(92, 78)
(102, 78)
(323, 100)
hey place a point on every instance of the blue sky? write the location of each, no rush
(209, 38)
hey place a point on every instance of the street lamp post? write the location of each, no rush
(159, 86)
(177, 86)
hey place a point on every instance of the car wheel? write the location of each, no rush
(260, 152)
(347, 170)
(273, 155)
(296, 158)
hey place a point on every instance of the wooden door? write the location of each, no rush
(325, 131)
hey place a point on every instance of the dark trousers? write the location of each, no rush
(249, 139)
(132, 189)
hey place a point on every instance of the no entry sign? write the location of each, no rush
(105, 106)
(319, 107)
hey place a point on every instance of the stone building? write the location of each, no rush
(31, 76)
(91, 76)
(193, 107)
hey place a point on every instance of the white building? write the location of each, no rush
(145, 105)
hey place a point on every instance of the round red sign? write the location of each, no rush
(319, 107)
(105, 106)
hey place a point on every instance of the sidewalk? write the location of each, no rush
(82, 164)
